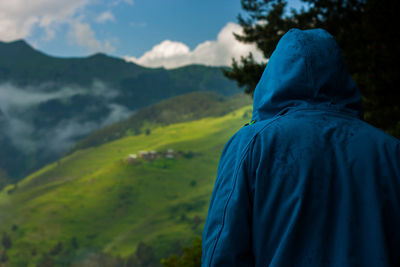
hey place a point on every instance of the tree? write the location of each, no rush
(191, 256)
(74, 242)
(56, 249)
(6, 241)
(365, 30)
(14, 227)
(144, 256)
(3, 178)
(3, 257)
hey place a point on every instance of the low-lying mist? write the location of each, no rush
(49, 119)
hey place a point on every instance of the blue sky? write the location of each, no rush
(127, 28)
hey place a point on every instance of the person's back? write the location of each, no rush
(309, 183)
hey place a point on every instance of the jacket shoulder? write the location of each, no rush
(246, 135)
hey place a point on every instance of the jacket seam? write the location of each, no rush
(246, 150)
(342, 112)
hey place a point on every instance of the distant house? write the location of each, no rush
(170, 154)
(153, 154)
(149, 155)
(143, 153)
(132, 158)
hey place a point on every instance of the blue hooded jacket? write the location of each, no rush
(309, 183)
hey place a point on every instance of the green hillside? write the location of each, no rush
(93, 205)
(46, 99)
(187, 107)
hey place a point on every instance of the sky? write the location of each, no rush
(152, 33)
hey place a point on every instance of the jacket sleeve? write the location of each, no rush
(227, 235)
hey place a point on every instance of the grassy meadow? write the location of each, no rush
(93, 202)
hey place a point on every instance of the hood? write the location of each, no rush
(306, 69)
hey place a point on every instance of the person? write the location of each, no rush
(308, 182)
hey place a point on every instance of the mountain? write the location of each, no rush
(22, 65)
(97, 205)
(47, 104)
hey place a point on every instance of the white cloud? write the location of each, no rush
(105, 16)
(20, 133)
(63, 136)
(117, 113)
(167, 49)
(82, 34)
(15, 104)
(19, 18)
(219, 52)
(12, 96)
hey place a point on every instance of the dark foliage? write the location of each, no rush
(56, 249)
(74, 242)
(6, 241)
(3, 178)
(14, 227)
(366, 30)
(95, 259)
(3, 257)
(196, 222)
(247, 74)
(189, 154)
(144, 257)
(191, 256)
(46, 261)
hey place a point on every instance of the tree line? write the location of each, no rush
(366, 30)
